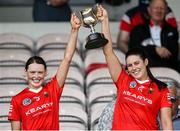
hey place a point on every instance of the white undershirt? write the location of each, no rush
(35, 90)
(142, 82)
(156, 35)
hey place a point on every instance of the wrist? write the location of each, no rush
(105, 20)
(74, 29)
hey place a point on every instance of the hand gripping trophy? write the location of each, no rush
(89, 20)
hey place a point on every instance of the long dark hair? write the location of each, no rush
(35, 59)
(142, 54)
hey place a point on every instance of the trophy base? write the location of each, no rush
(95, 40)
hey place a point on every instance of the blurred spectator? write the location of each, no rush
(105, 120)
(174, 99)
(51, 10)
(134, 17)
(157, 37)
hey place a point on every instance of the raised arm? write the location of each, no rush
(70, 49)
(113, 63)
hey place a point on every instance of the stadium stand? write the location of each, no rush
(16, 41)
(53, 41)
(167, 75)
(75, 119)
(91, 61)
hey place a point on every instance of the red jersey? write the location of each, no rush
(37, 111)
(137, 105)
(134, 17)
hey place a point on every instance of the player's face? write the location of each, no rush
(35, 75)
(137, 67)
(157, 10)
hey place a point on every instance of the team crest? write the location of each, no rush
(132, 84)
(26, 101)
(150, 91)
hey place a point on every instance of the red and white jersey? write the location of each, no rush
(134, 17)
(37, 111)
(138, 105)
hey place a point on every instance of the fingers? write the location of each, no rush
(164, 53)
(75, 22)
(75, 19)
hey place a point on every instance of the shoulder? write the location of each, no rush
(143, 27)
(18, 98)
(132, 12)
(20, 94)
(170, 28)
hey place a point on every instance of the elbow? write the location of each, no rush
(167, 125)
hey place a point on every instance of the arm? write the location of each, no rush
(166, 119)
(169, 44)
(70, 49)
(122, 40)
(15, 125)
(113, 63)
(171, 18)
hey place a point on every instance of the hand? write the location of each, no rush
(75, 22)
(101, 13)
(163, 52)
(56, 3)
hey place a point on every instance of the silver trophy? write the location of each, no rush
(89, 20)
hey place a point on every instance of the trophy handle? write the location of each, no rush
(94, 9)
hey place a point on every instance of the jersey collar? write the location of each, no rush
(35, 90)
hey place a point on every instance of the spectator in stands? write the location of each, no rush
(134, 17)
(51, 10)
(37, 106)
(157, 37)
(174, 100)
(105, 120)
(138, 92)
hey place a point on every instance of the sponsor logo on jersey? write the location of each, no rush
(39, 108)
(141, 88)
(26, 101)
(37, 98)
(133, 84)
(137, 98)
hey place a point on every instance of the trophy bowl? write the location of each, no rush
(89, 19)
